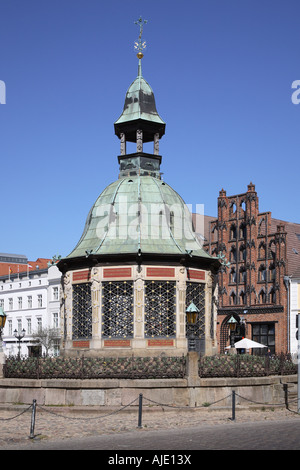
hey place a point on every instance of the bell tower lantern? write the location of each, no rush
(139, 123)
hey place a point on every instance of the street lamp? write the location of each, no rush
(232, 322)
(192, 313)
(19, 336)
(2, 324)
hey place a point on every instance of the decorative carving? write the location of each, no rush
(156, 144)
(139, 140)
(123, 144)
(222, 203)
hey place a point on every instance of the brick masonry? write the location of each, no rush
(252, 288)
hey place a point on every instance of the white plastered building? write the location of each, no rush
(31, 300)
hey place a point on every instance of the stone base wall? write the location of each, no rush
(121, 392)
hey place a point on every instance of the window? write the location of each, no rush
(19, 323)
(82, 311)
(233, 208)
(264, 333)
(242, 297)
(272, 272)
(39, 323)
(117, 309)
(243, 231)
(160, 309)
(232, 256)
(2, 303)
(243, 274)
(232, 298)
(272, 254)
(29, 301)
(262, 251)
(55, 320)
(232, 275)
(262, 227)
(56, 347)
(40, 300)
(20, 302)
(29, 327)
(55, 293)
(10, 304)
(262, 273)
(242, 253)
(272, 296)
(233, 232)
(262, 297)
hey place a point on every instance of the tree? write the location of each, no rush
(47, 337)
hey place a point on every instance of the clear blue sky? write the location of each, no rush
(221, 72)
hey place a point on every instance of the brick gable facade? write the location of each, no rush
(252, 288)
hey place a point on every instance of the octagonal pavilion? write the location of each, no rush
(139, 264)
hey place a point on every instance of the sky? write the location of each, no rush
(221, 72)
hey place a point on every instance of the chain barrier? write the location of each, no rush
(185, 407)
(90, 418)
(140, 398)
(13, 417)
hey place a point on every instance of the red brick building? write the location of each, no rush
(262, 252)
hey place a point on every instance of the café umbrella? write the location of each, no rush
(246, 343)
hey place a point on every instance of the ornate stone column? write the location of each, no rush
(66, 308)
(181, 308)
(208, 313)
(139, 314)
(96, 299)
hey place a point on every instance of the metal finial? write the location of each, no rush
(140, 45)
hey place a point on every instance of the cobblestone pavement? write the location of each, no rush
(58, 423)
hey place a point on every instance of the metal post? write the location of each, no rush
(32, 420)
(286, 395)
(298, 359)
(140, 410)
(233, 405)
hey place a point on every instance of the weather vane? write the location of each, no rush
(140, 45)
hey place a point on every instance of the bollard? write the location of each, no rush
(233, 406)
(140, 410)
(32, 420)
(286, 396)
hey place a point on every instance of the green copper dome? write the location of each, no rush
(139, 215)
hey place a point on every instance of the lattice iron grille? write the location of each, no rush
(195, 292)
(117, 309)
(160, 309)
(82, 311)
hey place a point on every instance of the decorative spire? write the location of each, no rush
(140, 45)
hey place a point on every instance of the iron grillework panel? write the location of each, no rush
(160, 309)
(82, 311)
(117, 309)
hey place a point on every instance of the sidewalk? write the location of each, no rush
(71, 422)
